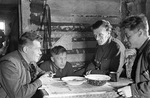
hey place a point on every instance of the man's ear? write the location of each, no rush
(140, 32)
(25, 49)
(52, 59)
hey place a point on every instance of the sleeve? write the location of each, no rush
(12, 81)
(45, 66)
(69, 69)
(90, 66)
(142, 88)
(91, 69)
(117, 60)
(40, 72)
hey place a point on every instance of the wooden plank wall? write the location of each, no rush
(70, 23)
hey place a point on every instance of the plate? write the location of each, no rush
(74, 80)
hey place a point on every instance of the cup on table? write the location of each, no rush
(114, 76)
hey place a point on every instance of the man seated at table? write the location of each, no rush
(20, 77)
(136, 30)
(58, 63)
(109, 55)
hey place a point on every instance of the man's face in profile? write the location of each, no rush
(34, 51)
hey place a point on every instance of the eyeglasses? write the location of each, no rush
(132, 33)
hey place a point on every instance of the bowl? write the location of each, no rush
(97, 79)
(74, 80)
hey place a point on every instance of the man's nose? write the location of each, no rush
(125, 39)
(62, 61)
(40, 52)
(97, 38)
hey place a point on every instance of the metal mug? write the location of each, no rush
(114, 76)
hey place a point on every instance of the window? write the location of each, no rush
(2, 26)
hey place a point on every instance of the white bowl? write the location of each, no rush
(74, 80)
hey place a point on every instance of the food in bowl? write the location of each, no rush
(97, 79)
(74, 80)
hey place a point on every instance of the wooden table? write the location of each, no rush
(59, 89)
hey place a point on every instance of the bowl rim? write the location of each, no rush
(72, 78)
(96, 77)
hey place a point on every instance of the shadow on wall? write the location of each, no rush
(13, 35)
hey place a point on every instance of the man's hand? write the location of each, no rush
(125, 91)
(129, 52)
(45, 78)
(49, 74)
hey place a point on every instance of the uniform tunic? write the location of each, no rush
(108, 57)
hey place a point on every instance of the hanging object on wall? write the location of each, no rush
(45, 26)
